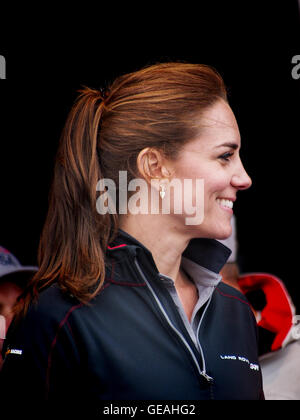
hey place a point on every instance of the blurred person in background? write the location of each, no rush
(278, 325)
(13, 280)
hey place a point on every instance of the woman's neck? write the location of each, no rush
(164, 241)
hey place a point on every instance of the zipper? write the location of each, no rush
(209, 378)
(178, 333)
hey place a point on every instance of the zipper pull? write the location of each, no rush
(207, 377)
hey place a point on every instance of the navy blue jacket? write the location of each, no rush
(130, 342)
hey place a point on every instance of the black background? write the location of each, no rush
(50, 56)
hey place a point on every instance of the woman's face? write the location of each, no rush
(214, 157)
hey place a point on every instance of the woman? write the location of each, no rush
(127, 304)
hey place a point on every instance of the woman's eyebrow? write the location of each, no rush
(231, 145)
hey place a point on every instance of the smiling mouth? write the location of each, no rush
(225, 203)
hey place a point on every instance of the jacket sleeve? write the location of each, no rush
(40, 358)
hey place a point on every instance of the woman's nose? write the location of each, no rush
(241, 179)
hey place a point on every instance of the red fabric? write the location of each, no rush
(277, 315)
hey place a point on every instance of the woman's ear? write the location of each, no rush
(152, 164)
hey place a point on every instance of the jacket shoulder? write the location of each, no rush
(44, 316)
(229, 292)
(53, 304)
(234, 303)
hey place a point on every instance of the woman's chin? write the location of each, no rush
(224, 233)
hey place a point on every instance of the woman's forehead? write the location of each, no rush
(218, 126)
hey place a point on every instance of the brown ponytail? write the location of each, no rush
(74, 238)
(159, 106)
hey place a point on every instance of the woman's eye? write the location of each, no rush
(226, 156)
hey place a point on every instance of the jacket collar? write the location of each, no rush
(207, 253)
